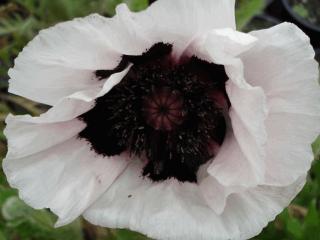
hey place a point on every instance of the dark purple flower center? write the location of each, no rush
(164, 111)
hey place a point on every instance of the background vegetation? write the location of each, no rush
(20, 21)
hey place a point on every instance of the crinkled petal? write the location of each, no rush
(216, 194)
(247, 135)
(26, 137)
(67, 177)
(173, 211)
(247, 114)
(50, 166)
(47, 84)
(76, 104)
(289, 152)
(179, 22)
(223, 46)
(282, 64)
(231, 159)
(133, 38)
(62, 59)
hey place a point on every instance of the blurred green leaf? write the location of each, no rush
(5, 58)
(72, 231)
(2, 138)
(134, 5)
(30, 5)
(2, 237)
(14, 209)
(312, 217)
(16, 25)
(137, 5)
(27, 105)
(246, 10)
(20, 216)
(123, 234)
(301, 10)
(4, 110)
(294, 227)
(5, 192)
(312, 222)
(316, 148)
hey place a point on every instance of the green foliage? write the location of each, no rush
(28, 223)
(20, 21)
(301, 10)
(316, 148)
(135, 5)
(2, 237)
(123, 234)
(246, 10)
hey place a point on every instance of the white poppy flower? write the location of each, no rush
(168, 121)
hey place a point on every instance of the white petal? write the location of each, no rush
(76, 104)
(286, 69)
(47, 84)
(248, 111)
(216, 194)
(230, 172)
(50, 166)
(62, 59)
(282, 63)
(26, 137)
(289, 152)
(253, 209)
(171, 210)
(180, 21)
(67, 177)
(248, 114)
(126, 33)
(232, 168)
(222, 46)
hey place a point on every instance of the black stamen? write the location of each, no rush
(156, 51)
(103, 74)
(161, 110)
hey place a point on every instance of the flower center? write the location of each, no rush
(162, 111)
